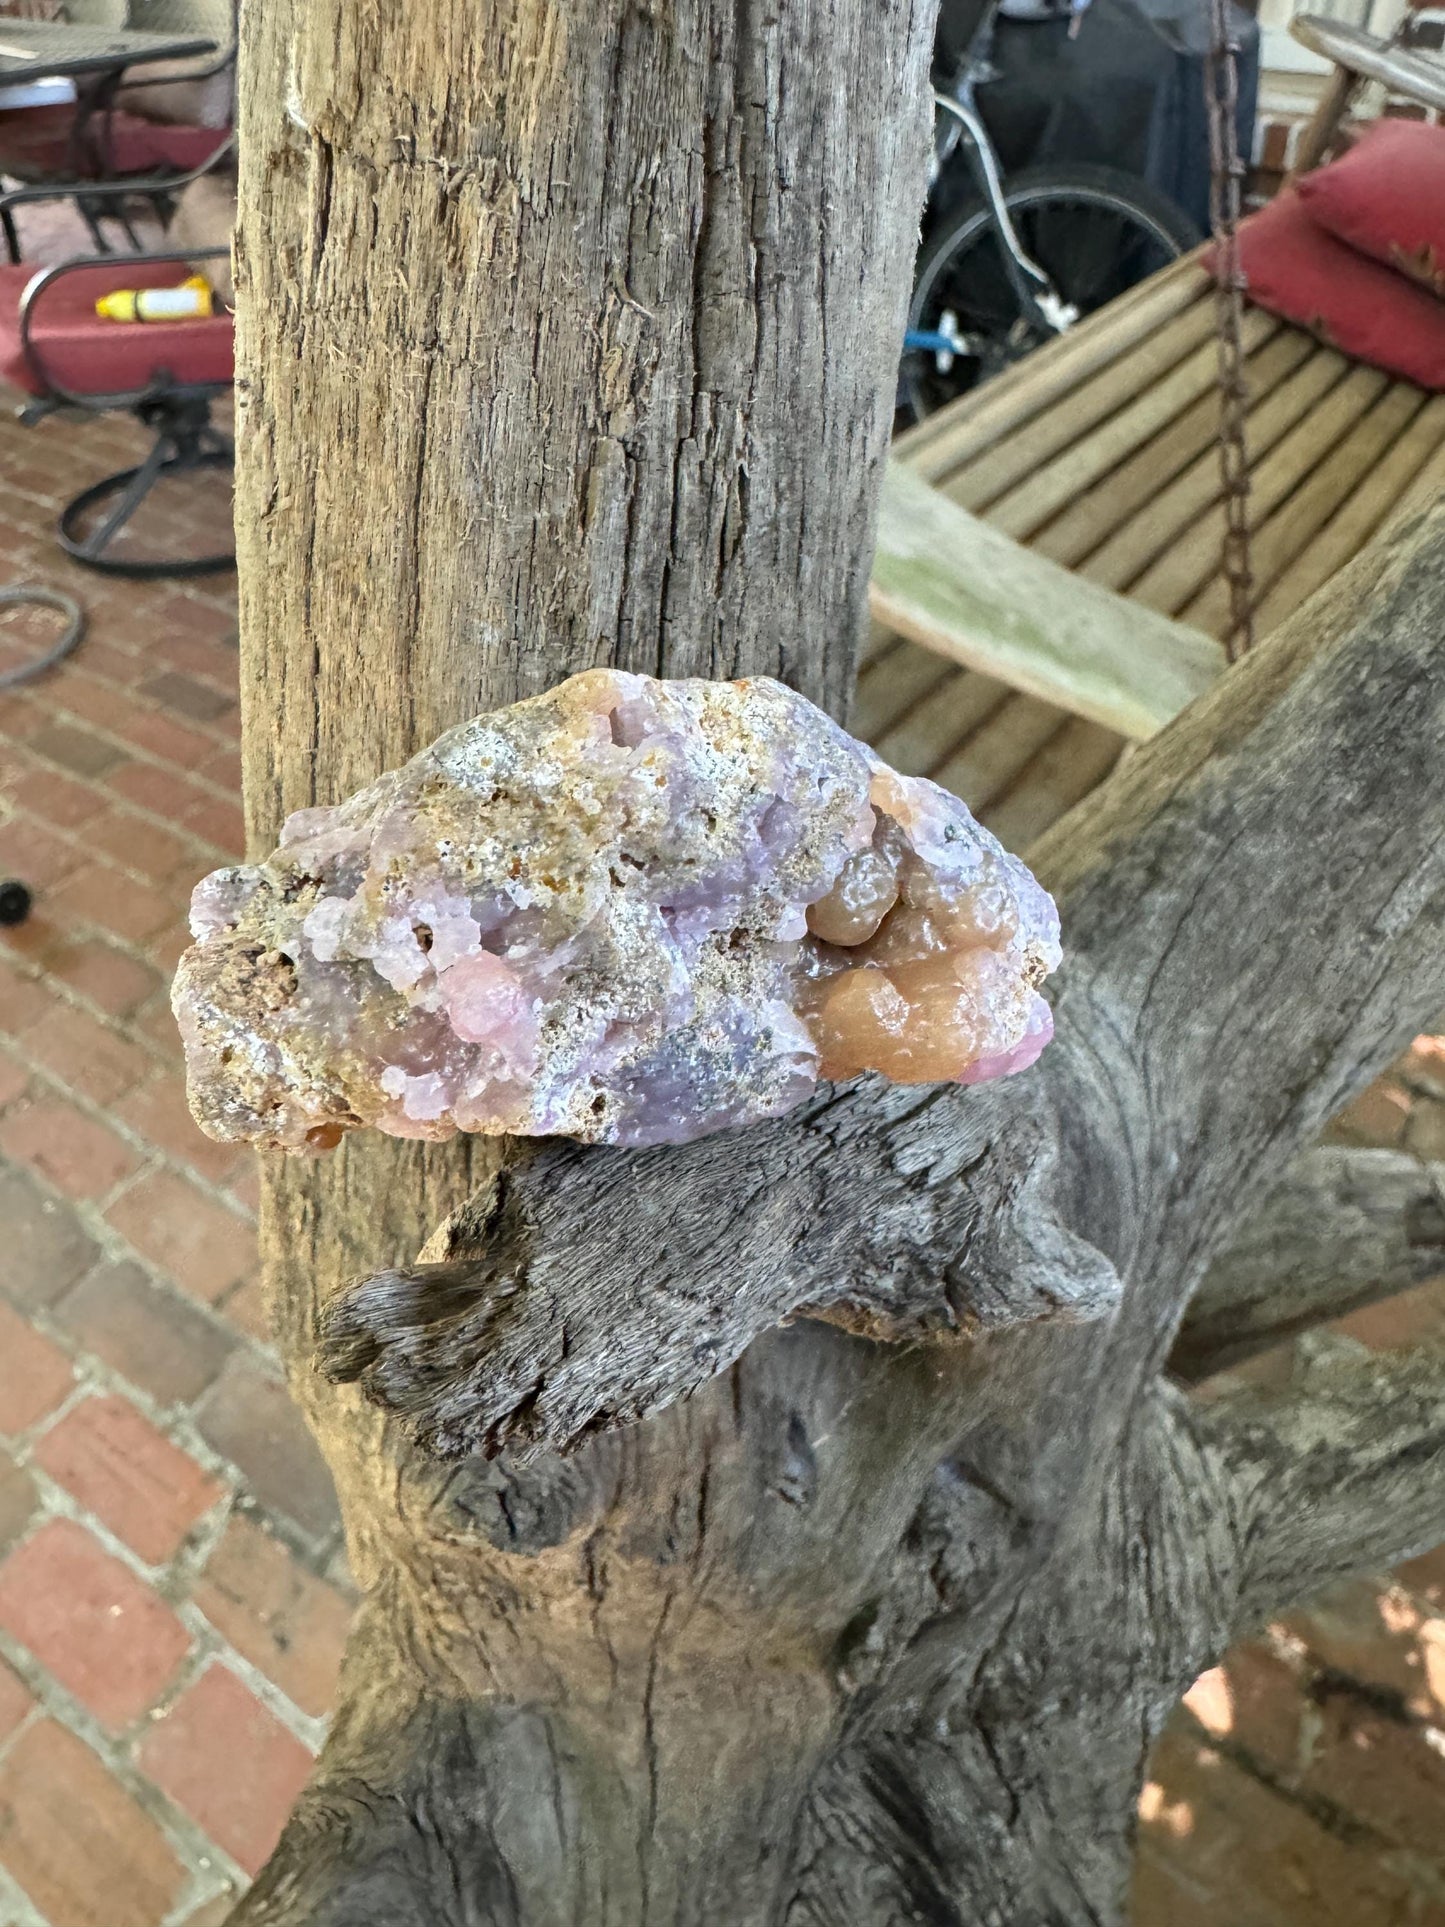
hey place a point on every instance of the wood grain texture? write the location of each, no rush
(1345, 1228)
(1339, 1472)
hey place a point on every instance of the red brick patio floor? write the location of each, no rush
(173, 1598)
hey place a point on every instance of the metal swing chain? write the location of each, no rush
(1226, 176)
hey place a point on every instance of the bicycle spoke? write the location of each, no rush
(978, 291)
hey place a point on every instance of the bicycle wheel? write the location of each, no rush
(1093, 230)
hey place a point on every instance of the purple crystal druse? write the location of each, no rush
(626, 911)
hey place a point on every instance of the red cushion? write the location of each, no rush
(151, 147)
(90, 356)
(1386, 197)
(38, 142)
(1367, 311)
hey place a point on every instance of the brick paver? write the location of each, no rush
(169, 1634)
(249, 1417)
(92, 1622)
(69, 1148)
(147, 1335)
(227, 1760)
(277, 1614)
(34, 1374)
(114, 1462)
(76, 1841)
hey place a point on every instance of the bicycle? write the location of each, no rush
(1026, 257)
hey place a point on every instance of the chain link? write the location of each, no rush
(1226, 177)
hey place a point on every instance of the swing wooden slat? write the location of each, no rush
(1097, 403)
(1171, 511)
(1429, 481)
(1039, 497)
(894, 683)
(988, 764)
(1382, 494)
(1077, 757)
(1079, 532)
(1284, 535)
(1095, 460)
(1193, 560)
(931, 733)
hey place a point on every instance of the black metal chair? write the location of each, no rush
(167, 375)
(119, 127)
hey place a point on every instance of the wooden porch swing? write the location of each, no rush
(1049, 580)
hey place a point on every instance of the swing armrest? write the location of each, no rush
(952, 584)
(1365, 56)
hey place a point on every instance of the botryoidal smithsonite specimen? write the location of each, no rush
(626, 911)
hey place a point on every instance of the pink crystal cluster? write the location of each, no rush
(626, 911)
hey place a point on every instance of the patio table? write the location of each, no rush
(88, 63)
(1357, 57)
(33, 50)
(1365, 56)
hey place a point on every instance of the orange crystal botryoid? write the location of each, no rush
(924, 992)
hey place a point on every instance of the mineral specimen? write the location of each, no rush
(627, 911)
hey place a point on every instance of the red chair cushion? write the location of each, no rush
(39, 143)
(1386, 197)
(90, 356)
(36, 141)
(152, 147)
(1296, 269)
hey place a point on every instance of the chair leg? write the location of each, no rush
(92, 221)
(1317, 136)
(12, 239)
(129, 228)
(185, 441)
(136, 485)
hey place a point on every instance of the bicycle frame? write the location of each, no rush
(1036, 293)
(1027, 278)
